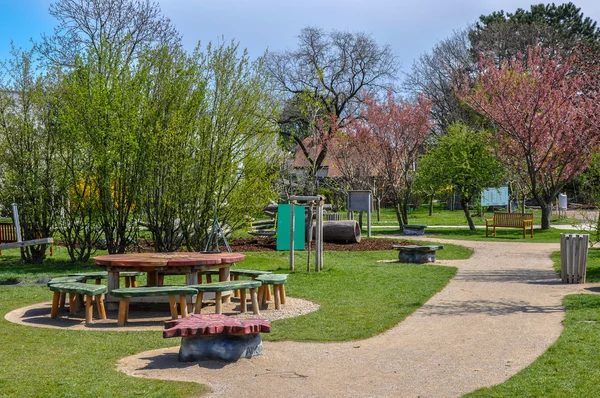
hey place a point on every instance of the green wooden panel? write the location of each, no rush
(283, 227)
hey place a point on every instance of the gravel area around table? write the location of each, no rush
(501, 311)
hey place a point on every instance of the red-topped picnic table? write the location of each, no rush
(154, 264)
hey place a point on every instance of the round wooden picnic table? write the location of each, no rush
(188, 263)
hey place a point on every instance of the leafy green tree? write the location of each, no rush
(174, 95)
(461, 158)
(100, 44)
(234, 141)
(28, 146)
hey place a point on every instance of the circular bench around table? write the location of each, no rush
(78, 288)
(417, 254)
(278, 281)
(219, 287)
(145, 291)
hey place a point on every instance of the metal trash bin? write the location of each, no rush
(573, 257)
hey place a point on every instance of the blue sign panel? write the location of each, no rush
(494, 197)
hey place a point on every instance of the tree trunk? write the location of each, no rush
(546, 213)
(465, 206)
(431, 205)
(378, 209)
(398, 215)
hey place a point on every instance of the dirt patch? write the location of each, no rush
(269, 244)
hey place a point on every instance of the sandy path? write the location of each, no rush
(501, 311)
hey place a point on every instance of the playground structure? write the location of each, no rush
(292, 224)
(19, 243)
(312, 202)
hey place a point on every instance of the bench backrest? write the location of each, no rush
(512, 219)
(8, 233)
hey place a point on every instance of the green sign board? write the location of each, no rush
(284, 224)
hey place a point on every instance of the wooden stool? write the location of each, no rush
(278, 281)
(236, 273)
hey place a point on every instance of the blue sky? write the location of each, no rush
(409, 27)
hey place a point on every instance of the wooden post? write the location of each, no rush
(292, 221)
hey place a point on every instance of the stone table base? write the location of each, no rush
(417, 254)
(217, 336)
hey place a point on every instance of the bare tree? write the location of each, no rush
(433, 75)
(92, 25)
(330, 71)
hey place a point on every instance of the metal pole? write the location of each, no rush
(17, 224)
(369, 215)
(292, 235)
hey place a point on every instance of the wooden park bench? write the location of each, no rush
(8, 234)
(217, 336)
(416, 254)
(149, 291)
(219, 287)
(75, 289)
(510, 220)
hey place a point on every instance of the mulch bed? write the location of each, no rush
(269, 244)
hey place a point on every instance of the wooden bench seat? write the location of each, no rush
(251, 273)
(278, 281)
(417, 254)
(219, 287)
(510, 220)
(125, 294)
(78, 288)
(130, 277)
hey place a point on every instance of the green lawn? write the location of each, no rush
(359, 297)
(442, 216)
(570, 367)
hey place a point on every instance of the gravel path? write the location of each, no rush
(501, 311)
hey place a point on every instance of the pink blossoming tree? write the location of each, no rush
(545, 115)
(394, 132)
